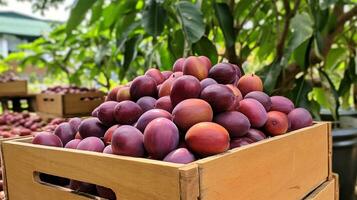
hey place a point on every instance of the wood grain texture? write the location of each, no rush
(22, 138)
(337, 186)
(329, 131)
(189, 182)
(50, 103)
(13, 88)
(325, 191)
(284, 167)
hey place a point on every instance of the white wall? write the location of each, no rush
(13, 42)
(4, 47)
(9, 43)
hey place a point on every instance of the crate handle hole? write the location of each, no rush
(49, 99)
(88, 190)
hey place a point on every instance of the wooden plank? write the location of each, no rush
(3, 174)
(13, 88)
(330, 143)
(189, 182)
(337, 186)
(326, 191)
(50, 103)
(283, 167)
(27, 95)
(79, 103)
(22, 138)
(129, 178)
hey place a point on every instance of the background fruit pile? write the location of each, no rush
(14, 124)
(68, 90)
(8, 77)
(179, 116)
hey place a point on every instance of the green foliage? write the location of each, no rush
(270, 75)
(225, 19)
(304, 49)
(154, 18)
(302, 27)
(78, 13)
(191, 21)
(130, 53)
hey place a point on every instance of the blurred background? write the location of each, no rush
(303, 49)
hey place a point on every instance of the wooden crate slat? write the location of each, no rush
(189, 182)
(286, 167)
(13, 88)
(21, 138)
(326, 191)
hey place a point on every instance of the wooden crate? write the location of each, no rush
(326, 191)
(69, 105)
(283, 167)
(13, 88)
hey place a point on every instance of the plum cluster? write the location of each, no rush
(8, 77)
(67, 90)
(194, 111)
(13, 124)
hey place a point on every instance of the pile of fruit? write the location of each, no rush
(67, 90)
(8, 77)
(179, 116)
(13, 124)
(193, 112)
